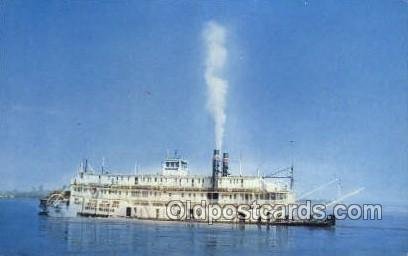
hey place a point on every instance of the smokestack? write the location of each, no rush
(86, 165)
(216, 165)
(225, 165)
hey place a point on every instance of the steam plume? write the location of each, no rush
(214, 35)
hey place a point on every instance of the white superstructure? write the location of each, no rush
(146, 196)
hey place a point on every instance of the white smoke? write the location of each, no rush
(214, 35)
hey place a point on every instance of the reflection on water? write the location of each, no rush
(24, 232)
(82, 235)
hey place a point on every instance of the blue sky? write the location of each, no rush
(124, 80)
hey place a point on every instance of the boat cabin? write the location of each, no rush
(175, 166)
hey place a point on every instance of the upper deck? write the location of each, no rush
(174, 176)
(186, 182)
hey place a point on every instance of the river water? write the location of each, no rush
(24, 232)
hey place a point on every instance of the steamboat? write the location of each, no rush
(147, 196)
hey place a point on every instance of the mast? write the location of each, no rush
(103, 164)
(292, 165)
(240, 164)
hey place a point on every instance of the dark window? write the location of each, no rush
(212, 195)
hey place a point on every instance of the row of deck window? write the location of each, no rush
(156, 179)
(176, 180)
(242, 196)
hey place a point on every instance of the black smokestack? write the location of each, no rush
(215, 165)
(225, 163)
